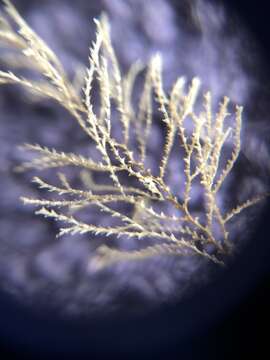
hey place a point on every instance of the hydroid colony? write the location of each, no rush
(137, 195)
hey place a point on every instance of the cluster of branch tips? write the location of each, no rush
(201, 137)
